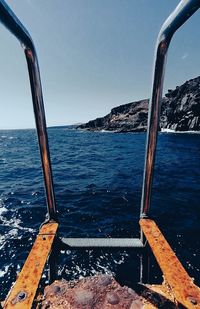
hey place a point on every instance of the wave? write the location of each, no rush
(13, 223)
(3, 209)
(166, 130)
(4, 271)
(92, 263)
(107, 131)
(98, 186)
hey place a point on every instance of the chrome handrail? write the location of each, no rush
(10, 20)
(183, 11)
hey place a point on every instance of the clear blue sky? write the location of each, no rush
(93, 55)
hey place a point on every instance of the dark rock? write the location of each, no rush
(131, 117)
(105, 280)
(180, 111)
(113, 298)
(181, 107)
(98, 292)
(90, 293)
(83, 297)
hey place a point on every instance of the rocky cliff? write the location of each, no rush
(131, 117)
(180, 111)
(181, 107)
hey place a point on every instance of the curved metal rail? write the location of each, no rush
(183, 11)
(45, 239)
(9, 19)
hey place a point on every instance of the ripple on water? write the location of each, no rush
(98, 180)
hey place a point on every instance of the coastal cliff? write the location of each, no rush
(180, 111)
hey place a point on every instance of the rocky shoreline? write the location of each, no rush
(180, 111)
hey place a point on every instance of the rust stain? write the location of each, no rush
(23, 292)
(182, 286)
(163, 296)
(48, 229)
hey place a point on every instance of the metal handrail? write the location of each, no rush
(9, 19)
(183, 11)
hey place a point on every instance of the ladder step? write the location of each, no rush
(103, 242)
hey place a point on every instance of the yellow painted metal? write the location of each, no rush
(23, 292)
(148, 306)
(182, 286)
(158, 296)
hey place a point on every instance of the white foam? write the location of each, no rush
(166, 130)
(102, 265)
(3, 271)
(2, 209)
(107, 131)
(14, 223)
(2, 241)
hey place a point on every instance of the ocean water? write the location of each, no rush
(98, 181)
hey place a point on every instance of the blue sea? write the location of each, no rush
(98, 182)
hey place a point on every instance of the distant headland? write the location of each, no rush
(180, 111)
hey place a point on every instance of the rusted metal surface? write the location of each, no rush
(162, 289)
(182, 286)
(158, 296)
(23, 292)
(48, 229)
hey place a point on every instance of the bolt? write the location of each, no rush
(192, 300)
(21, 296)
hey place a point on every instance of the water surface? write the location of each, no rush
(98, 180)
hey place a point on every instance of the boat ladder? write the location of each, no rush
(23, 292)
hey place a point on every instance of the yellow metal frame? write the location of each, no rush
(178, 280)
(23, 292)
(178, 287)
